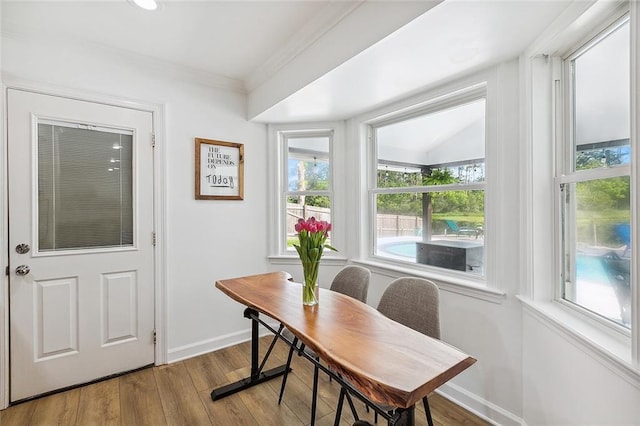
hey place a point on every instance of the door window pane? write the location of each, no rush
(85, 187)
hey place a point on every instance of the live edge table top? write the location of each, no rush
(386, 361)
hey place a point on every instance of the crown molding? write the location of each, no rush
(156, 65)
(320, 24)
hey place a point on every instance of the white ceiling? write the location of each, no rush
(227, 38)
(448, 41)
(250, 42)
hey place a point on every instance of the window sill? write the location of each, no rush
(609, 348)
(295, 260)
(454, 284)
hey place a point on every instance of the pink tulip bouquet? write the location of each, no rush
(312, 236)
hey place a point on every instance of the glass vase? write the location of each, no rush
(310, 290)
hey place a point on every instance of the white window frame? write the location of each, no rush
(485, 287)
(278, 177)
(542, 126)
(565, 174)
(453, 100)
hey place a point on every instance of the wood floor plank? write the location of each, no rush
(57, 409)
(179, 394)
(180, 400)
(140, 402)
(298, 393)
(262, 402)
(227, 411)
(100, 404)
(20, 414)
(205, 372)
(230, 359)
(446, 412)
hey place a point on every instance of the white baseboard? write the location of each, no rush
(205, 346)
(479, 406)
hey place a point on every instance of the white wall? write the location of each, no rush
(205, 240)
(564, 384)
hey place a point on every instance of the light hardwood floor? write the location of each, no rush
(179, 394)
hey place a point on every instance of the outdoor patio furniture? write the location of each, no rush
(451, 224)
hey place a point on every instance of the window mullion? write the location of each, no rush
(431, 188)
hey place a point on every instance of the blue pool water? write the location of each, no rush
(590, 268)
(587, 267)
(402, 249)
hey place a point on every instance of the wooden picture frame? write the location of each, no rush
(219, 170)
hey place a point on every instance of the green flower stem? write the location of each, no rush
(310, 251)
(310, 272)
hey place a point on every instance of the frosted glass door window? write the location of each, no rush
(85, 187)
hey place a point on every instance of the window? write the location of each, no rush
(594, 177)
(428, 185)
(306, 172)
(85, 187)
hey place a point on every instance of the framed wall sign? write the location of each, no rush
(219, 170)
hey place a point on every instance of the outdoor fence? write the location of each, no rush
(393, 225)
(298, 211)
(389, 225)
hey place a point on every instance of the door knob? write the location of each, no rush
(23, 270)
(22, 248)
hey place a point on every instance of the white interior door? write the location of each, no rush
(81, 286)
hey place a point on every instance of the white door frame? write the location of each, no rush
(159, 212)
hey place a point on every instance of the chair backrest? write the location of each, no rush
(413, 302)
(353, 281)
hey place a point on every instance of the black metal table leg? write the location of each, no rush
(257, 375)
(404, 417)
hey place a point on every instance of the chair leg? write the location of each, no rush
(427, 411)
(314, 395)
(336, 422)
(287, 368)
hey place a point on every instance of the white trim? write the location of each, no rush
(634, 14)
(210, 345)
(159, 171)
(151, 64)
(4, 261)
(452, 284)
(160, 220)
(479, 406)
(277, 156)
(320, 24)
(569, 27)
(481, 85)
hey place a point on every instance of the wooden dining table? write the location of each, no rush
(375, 357)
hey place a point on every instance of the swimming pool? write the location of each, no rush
(404, 249)
(588, 267)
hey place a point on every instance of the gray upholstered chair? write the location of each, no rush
(352, 281)
(413, 302)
